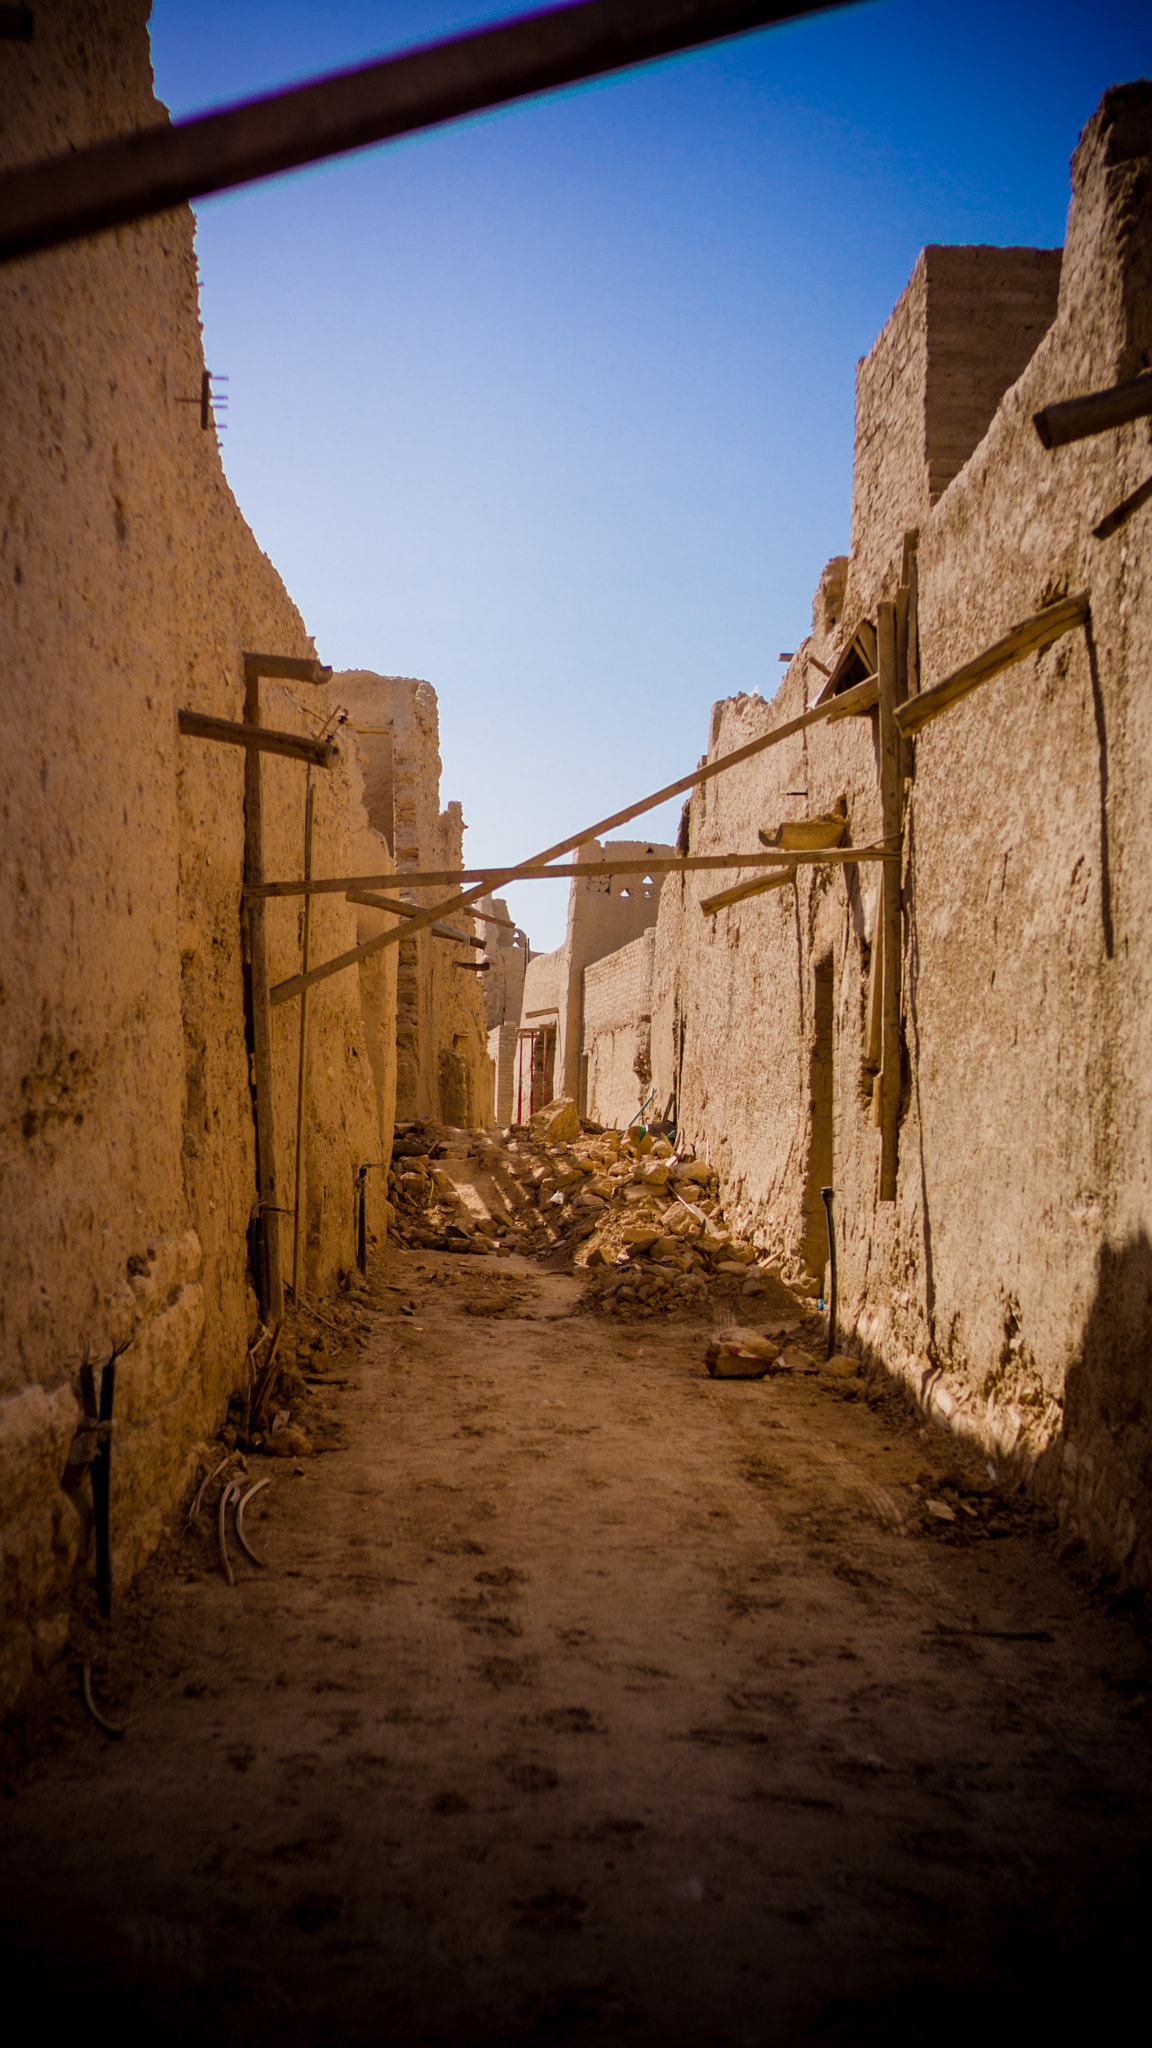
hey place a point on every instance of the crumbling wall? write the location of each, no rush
(442, 1063)
(129, 587)
(618, 1032)
(603, 915)
(1010, 1282)
(503, 985)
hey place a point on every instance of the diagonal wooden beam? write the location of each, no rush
(136, 175)
(859, 699)
(1033, 633)
(441, 931)
(760, 887)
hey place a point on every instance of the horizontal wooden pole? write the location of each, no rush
(861, 698)
(197, 725)
(659, 864)
(759, 887)
(1075, 419)
(440, 931)
(156, 168)
(1040, 630)
(290, 668)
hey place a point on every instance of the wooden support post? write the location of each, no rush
(302, 1068)
(266, 1184)
(891, 801)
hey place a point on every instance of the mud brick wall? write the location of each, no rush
(1010, 1282)
(442, 1063)
(618, 1032)
(130, 587)
(963, 329)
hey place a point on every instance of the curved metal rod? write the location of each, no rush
(115, 1729)
(241, 1504)
(226, 1498)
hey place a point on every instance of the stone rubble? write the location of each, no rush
(641, 1217)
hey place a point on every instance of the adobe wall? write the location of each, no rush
(1011, 1281)
(618, 1033)
(603, 915)
(962, 330)
(130, 586)
(442, 1064)
(503, 990)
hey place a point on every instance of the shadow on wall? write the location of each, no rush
(455, 1088)
(821, 1096)
(1100, 1468)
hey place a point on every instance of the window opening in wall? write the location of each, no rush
(821, 1100)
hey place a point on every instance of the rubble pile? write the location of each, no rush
(426, 1209)
(641, 1215)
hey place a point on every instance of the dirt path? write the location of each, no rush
(584, 1699)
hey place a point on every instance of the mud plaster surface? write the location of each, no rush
(583, 1699)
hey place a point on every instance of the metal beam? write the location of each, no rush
(68, 197)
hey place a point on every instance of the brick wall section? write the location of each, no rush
(618, 1031)
(962, 331)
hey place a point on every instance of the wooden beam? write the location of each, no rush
(1077, 418)
(660, 864)
(442, 931)
(197, 725)
(1033, 633)
(302, 1062)
(891, 805)
(288, 668)
(709, 904)
(267, 1186)
(857, 699)
(145, 173)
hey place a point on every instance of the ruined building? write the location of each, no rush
(442, 1064)
(507, 964)
(1005, 1272)
(556, 1057)
(141, 1038)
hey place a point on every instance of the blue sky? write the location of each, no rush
(554, 406)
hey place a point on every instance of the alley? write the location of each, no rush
(583, 1698)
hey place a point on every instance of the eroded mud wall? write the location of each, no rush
(443, 1067)
(618, 1034)
(1011, 1280)
(129, 587)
